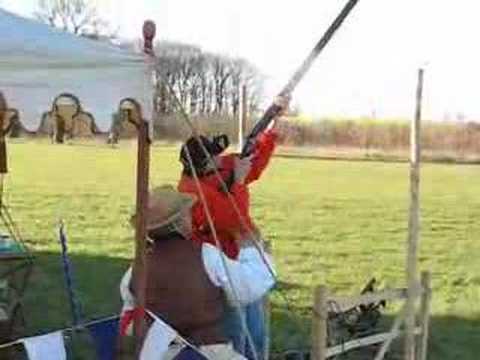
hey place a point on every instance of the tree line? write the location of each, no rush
(205, 83)
(440, 138)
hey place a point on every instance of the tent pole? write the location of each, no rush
(414, 223)
(143, 169)
(143, 173)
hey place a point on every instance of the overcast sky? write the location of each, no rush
(370, 65)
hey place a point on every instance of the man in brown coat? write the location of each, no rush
(189, 284)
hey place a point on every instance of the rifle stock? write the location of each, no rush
(261, 125)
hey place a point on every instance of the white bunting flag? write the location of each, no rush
(50, 346)
(158, 338)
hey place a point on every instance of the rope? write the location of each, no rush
(75, 305)
(99, 321)
(232, 200)
(8, 220)
(69, 329)
(224, 263)
(14, 229)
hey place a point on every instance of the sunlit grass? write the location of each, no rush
(332, 222)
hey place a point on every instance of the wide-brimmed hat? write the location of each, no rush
(168, 210)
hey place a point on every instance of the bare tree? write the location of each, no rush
(204, 82)
(236, 79)
(79, 17)
(221, 73)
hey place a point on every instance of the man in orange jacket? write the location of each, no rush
(233, 231)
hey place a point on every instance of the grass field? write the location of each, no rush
(331, 222)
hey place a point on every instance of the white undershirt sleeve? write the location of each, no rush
(245, 280)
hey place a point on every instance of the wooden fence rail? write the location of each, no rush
(320, 351)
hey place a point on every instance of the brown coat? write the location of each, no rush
(180, 292)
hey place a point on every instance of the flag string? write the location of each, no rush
(72, 328)
(99, 321)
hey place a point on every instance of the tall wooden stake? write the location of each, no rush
(422, 348)
(242, 126)
(319, 326)
(143, 173)
(413, 224)
(143, 170)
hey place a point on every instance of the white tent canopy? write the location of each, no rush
(37, 63)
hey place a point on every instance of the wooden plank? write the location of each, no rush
(413, 223)
(422, 348)
(342, 304)
(366, 341)
(363, 342)
(319, 326)
(395, 328)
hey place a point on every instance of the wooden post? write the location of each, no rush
(395, 327)
(143, 173)
(131, 111)
(413, 224)
(422, 348)
(134, 114)
(242, 126)
(319, 326)
(3, 144)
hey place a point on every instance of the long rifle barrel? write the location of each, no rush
(307, 64)
(274, 109)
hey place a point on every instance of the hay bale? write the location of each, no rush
(67, 119)
(84, 125)
(121, 128)
(47, 124)
(17, 129)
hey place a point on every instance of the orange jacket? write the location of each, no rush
(225, 218)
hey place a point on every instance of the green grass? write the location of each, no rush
(331, 222)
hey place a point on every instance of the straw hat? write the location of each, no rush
(168, 211)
